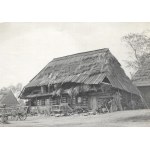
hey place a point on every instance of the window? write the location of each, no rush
(106, 80)
(79, 100)
(47, 102)
(42, 102)
(44, 89)
(38, 102)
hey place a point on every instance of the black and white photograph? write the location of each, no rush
(74, 75)
(71, 74)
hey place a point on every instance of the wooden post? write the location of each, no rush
(48, 88)
(42, 89)
(132, 103)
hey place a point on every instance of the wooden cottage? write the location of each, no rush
(142, 80)
(90, 80)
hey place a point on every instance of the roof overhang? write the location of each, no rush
(141, 83)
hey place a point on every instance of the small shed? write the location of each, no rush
(142, 80)
(7, 98)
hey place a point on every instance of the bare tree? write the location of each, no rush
(13, 88)
(139, 43)
(19, 87)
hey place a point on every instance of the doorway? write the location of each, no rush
(93, 103)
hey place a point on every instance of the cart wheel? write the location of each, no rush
(4, 119)
(23, 116)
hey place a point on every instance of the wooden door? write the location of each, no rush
(93, 103)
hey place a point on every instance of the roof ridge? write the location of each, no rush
(76, 54)
(68, 56)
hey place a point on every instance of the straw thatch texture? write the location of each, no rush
(87, 68)
(8, 98)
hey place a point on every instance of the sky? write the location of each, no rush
(25, 48)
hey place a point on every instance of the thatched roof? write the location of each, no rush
(8, 98)
(142, 76)
(88, 68)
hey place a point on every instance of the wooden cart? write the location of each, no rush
(4, 114)
(19, 113)
(14, 113)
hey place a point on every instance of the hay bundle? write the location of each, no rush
(77, 90)
(70, 92)
(54, 93)
(85, 88)
(59, 92)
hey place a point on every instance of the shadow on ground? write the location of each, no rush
(138, 118)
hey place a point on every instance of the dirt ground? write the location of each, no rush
(134, 118)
